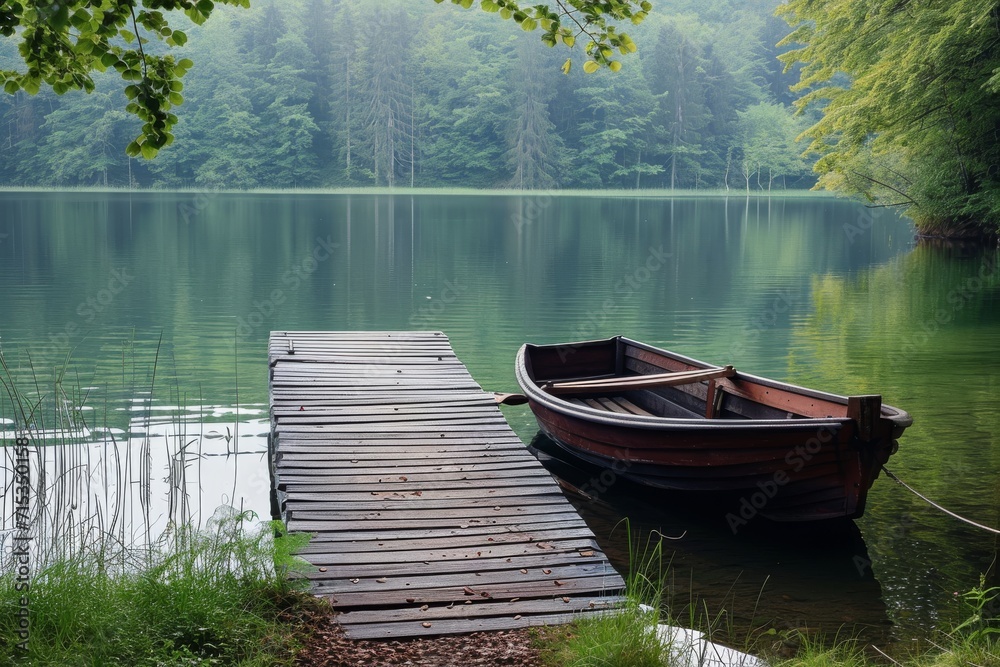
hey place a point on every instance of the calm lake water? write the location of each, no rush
(818, 292)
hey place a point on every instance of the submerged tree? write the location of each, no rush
(910, 94)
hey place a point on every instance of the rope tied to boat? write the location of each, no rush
(935, 505)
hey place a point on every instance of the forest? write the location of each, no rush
(335, 93)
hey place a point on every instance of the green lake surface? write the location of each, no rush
(815, 291)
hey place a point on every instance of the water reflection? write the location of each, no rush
(810, 577)
(104, 487)
(814, 291)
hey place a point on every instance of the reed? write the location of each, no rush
(974, 641)
(111, 580)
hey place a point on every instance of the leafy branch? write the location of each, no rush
(590, 18)
(62, 42)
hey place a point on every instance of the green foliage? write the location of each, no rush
(766, 144)
(63, 43)
(625, 637)
(212, 596)
(971, 642)
(981, 618)
(589, 18)
(307, 93)
(910, 104)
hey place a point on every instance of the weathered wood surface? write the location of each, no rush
(429, 515)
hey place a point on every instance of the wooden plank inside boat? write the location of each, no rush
(430, 516)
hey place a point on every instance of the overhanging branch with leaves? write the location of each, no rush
(62, 42)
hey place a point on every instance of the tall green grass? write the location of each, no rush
(208, 596)
(108, 586)
(625, 636)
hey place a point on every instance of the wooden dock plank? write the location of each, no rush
(426, 508)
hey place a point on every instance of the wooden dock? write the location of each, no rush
(429, 515)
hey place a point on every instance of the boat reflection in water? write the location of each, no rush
(814, 577)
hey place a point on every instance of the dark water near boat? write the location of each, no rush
(818, 292)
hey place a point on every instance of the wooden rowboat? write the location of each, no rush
(671, 422)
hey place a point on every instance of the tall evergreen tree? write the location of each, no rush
(535, 152)
(385, 100)
(677, 64)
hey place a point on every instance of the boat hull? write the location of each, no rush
(809, 467)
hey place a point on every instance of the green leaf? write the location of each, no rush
(11, 87)
(133, 149)
(590, 67)
(528, 24)
(148, 150)
(566, 66)
(196, 17)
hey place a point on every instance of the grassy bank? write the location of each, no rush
(627, 638)
(657, 193)
(105, 558)
(198, 597)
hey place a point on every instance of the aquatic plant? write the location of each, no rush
(117, 566)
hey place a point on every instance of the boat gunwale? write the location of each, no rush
(899, 418)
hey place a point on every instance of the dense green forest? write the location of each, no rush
(910, 94)
(326, 93)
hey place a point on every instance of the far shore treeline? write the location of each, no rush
(333, 93)
(895, 103)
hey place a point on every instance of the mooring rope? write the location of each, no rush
(935, 505)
